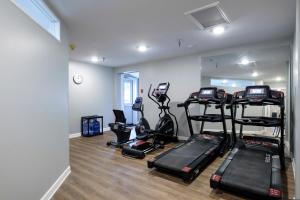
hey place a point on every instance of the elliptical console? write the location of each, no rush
(160, 92)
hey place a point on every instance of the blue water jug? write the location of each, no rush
(91, 127)
(96, 127)
(85, 127)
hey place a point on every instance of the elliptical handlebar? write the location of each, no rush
(152, 95)
(168, 98)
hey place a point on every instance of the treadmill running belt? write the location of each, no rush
(250, 170)
(185, 154)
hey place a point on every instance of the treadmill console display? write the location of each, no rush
(206, 93)
(257, 92)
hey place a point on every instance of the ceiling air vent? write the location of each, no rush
(208, 16)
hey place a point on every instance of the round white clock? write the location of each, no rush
(78, 79)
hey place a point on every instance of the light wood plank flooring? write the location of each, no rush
(100, 172)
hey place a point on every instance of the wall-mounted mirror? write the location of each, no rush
(256, 65)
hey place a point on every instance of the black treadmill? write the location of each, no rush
(253, 167)
(190, 158)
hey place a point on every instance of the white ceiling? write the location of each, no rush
(113, 28)
(270, 63)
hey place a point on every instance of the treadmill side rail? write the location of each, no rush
(275, 187)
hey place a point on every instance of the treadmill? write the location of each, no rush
(253, 167)
(188, 159)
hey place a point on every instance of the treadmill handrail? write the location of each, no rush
(265, 101)
(241, 98)
(150, 95)
(201, 101)
(206, 101)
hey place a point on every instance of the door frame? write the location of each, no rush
(135, 92)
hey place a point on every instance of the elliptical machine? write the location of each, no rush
(164, 132)
(164, 128)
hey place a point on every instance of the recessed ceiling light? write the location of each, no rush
(225, 81)
(142, 48)
(95, 59)
(190, 46)
(218, 30)
(245, 61)
(278, 78)
(254, 74)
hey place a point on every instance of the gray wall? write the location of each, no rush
(34, 147)
(93, 97)
(184, 75)
(295, 110)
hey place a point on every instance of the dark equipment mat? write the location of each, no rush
(249, 171)
(184, 155)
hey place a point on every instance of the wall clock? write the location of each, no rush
(78, 79)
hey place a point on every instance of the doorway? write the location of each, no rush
(130, 88)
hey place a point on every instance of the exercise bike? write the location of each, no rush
(164, 132)
(142, 128)
(121, 129)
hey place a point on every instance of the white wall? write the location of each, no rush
(277, 85)
(34, 148)
(295, 111)
(184, 75)
(93, 97)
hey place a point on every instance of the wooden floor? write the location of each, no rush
(100, 172)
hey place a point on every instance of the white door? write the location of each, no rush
(128, 99)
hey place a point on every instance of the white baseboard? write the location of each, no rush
(49, 194)
(183, 137)
(293, 166)
(106, 129)
(216, 130)
(230, 131)
(76, 135)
